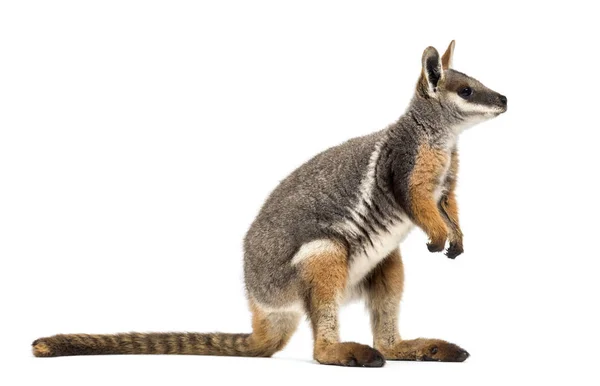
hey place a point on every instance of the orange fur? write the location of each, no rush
(424, 179)
(384, 290)
(325, 276)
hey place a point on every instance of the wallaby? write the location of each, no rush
(330, 232)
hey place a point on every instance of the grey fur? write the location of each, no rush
(353, 202)
(325, 190)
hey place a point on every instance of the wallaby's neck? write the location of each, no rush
(427, 119)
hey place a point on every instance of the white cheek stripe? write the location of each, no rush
(473, 107)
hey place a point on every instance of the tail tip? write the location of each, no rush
(41, 349)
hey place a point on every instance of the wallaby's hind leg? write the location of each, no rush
(384, 290)
(324, 276)
(271, 330)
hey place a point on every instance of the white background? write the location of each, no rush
(138, 140)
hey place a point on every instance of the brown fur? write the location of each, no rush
(424, 179)
(448, 204)
(325, 279)
(384, 290)
(271, 331)
(449, 208)
(447, 57)
(422, 349)
(319, 276)
(41, 349)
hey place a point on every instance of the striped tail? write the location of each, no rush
(155, 343)
(270, 333)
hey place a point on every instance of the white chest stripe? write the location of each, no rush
(363, 261)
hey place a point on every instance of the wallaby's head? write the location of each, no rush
(462, 100)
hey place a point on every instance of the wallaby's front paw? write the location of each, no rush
(436, 245)
(455, 249)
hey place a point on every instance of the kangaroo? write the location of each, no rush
(330, 233)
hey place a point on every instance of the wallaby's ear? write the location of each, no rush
(432, 69)
(447, 57)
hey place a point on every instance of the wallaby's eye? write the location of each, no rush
(434, 350)
(465, 92)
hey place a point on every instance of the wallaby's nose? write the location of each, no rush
(503, 100)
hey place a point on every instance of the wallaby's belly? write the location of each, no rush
(364, 259)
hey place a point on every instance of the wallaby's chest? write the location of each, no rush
(381, 242)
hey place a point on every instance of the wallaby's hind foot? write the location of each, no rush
(349, 354)
(421, 349)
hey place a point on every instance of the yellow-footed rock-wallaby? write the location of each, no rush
(330, 233)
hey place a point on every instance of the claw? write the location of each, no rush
(433, 247)
(454, 250)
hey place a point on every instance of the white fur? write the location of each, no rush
(295, 307)
(384, 243)
(484, 113)
(473, 107)
(466, 124)
(365, 260)
(315, 247)
(365, 191)
(440, 189)
(366, 185)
